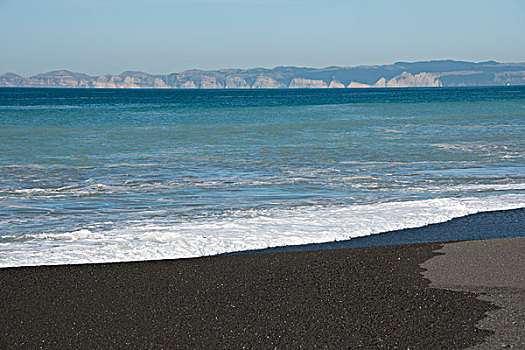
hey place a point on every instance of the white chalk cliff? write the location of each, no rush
(302, 83)
(265, 82)
(406, 79)
(236, 83)
(334, 84)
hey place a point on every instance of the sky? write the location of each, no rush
(164, 36)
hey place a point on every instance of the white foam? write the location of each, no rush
(30, 191)
(239, 231)
(74, 190)
(472, 188)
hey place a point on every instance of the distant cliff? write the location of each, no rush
(400, 74)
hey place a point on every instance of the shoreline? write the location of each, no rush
(494, 224)
(509, 223)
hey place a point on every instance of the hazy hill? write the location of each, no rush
(400, 74)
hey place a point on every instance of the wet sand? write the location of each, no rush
(373, 297)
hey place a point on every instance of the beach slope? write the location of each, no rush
(375, 297)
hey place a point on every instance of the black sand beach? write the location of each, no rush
(372, 297)
(418, 296)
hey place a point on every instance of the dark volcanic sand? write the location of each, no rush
(370, 297)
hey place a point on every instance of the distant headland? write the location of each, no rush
(443, 73)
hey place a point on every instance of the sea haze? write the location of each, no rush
(124, 175)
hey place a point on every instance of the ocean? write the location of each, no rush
(91, 175)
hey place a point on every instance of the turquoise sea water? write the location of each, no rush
(111, 175)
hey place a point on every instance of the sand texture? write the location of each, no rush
(495, 270)
(366, 298)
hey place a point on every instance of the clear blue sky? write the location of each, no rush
(164, 36)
